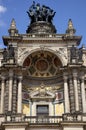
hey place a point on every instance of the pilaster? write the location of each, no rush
(71, 91)
(66, 95)
(10, 90)
(19, 103)
(83, 95)
(76, 91)
(14, 97)
(2, 94)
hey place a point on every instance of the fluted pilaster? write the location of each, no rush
(76, 92)
(71, 91)
(14, 97)
(19, 103)
(10, 93)
(66, 95)
(6, 96)
(83, 95)
(2, 94)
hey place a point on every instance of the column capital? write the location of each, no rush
(10, 73)
(70, 81)
(75, 75)
(20, 78)
(82, 79)
(65, 76)
(3, 78)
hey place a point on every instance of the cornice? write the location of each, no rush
(33, 38)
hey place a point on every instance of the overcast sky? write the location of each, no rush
(65, 9)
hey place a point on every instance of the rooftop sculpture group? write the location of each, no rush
(38, 13)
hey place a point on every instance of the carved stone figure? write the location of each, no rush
(11, 51)
(38, 13)
(73, 52)
(5, 54)
(76, 54)
(32, 16)
(80, 55)
(8, 53)
(44, 13)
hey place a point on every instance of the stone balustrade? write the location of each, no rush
(75, 117)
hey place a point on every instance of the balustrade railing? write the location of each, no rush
(42, 119)
(73, 117)
(33, 119)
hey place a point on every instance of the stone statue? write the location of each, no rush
(73, 52)
(50, 15)
(76, 54)
(8, 53)
(80, 55)
(32, 16)
(44, 13)
(5, 54)
(11, 51)
(38, 13)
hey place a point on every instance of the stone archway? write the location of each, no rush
(42, 64)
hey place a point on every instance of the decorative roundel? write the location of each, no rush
(42, 65)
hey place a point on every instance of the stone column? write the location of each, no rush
(19, 103)
(83, 95)
(2, 94)
(66, 95)
(10, 93)
(76, 92)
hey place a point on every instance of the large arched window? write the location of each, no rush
(42, 64)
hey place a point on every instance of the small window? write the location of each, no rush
(42, 110)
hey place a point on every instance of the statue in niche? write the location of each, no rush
(80, 55)
(5, 54)
(8, 53)
(11, 51)
(38, 13)
(73, 52)
(76, 54)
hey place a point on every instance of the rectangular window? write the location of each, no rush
(42, 110)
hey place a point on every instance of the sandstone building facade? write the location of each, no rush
(42, 76)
